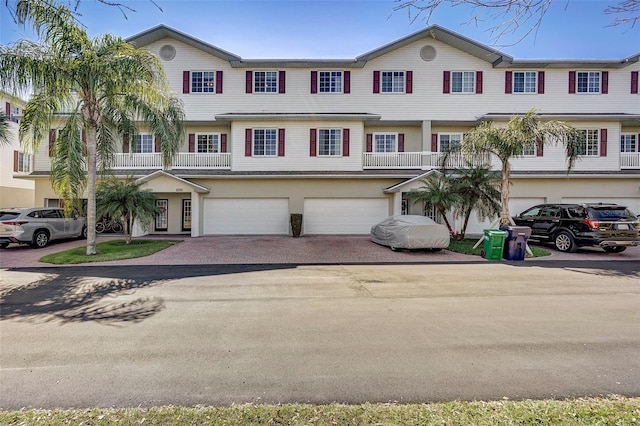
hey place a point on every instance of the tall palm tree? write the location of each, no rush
(479, 189)
(98, 88)
(125, 200)
(510, 141)
(438, 192)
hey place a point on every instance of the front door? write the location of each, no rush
(162, 219)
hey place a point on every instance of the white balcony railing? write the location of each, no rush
(395, 160)
(630, 160)
(182, 160)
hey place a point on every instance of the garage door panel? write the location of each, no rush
(247, 216)
(343, 216)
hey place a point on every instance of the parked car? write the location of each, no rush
(410, 232)
(38, 226)
(569, 226)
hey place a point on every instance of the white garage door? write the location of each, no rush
(632, 203)
(343, 215)
(516, 206)
(252, 216)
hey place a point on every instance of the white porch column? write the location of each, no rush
(397, 203)
(196, 225)
(426, 144)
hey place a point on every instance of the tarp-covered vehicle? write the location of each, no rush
(410, 232)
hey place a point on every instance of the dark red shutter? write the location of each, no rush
(638, 142)
(409, 77)
(186, 81)
(434, 142)
(281, 81)
(634, 83)
(192, 142)
(223, 142)
(249, 82)
(572, 82)
(446, 82)
(345, 142)
(156, 144)
(7, 109)
(508, 78)
(347, 82)
(376, 82)
(219, 81)
(541, 82)
(247, 142)
(314, 81)
(125, 144)
(479, 82)
(280, 142)
(16, 160)
(605, 82)
(369, 142)
(603, 142)
(313, 135)
(52, 140)
(540, 147)
(400, 142)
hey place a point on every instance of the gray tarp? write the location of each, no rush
(410, 232)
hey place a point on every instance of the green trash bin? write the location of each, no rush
(493, 244)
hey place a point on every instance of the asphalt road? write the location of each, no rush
(217, 335)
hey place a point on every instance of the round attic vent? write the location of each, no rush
(428, 53)
(167, 52)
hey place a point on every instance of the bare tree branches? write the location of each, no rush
(513, 17)
(73, 5)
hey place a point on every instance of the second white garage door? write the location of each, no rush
(246, 216)
(343, 215)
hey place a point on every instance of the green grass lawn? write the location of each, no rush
(589, 411)
(466, 246)
(109, 250)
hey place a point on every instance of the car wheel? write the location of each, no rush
(40, 239)
(4, 245)
(615, 249)
(564, 242)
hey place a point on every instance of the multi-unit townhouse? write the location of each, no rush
(342, 141)
(16, 160)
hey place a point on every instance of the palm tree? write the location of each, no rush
(510, 142)
(99, 89)
(125, 200)
(439, 193)
(4, 128)
(478, 188)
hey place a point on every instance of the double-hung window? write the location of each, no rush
(203, 81)
(330, 81)
(392, 81)
(22, 162)
(628, 142)
(385, 142)
(265, 142)
(524, 82)
(449, 141)
(208, 143)
(330, 142)
(265, 81)
(530, 149)
(463, 81)
(142, 143)
(588, 82)
(588, 142)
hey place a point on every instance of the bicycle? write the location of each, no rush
(106, 225)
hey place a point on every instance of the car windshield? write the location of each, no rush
(8, 215)
(610, 213)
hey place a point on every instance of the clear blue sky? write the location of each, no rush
(574, 29)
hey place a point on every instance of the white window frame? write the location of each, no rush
(629, 143)
(162, 219)
(186, 214)
(464, 89)
(389, 140)
(591, 147)
(529, 84)
(333, 81)
(24, 162)
(392, 82)
(530, 149)
(268, 144)
(454, 138)
(268, 84)
(210, 140)
(334, 142)
(138, 145)
(205, 86)
(593, 87)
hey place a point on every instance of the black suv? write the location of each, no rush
(568, 226)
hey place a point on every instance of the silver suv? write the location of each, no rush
(37, 226)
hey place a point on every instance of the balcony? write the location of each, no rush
(182, 160)
(418, 160)
(630, 160)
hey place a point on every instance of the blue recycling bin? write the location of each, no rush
(515, 244)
